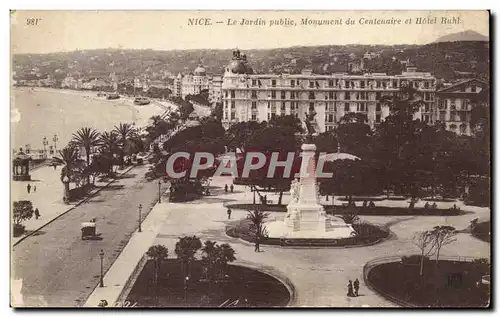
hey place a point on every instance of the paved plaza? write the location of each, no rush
(319, 276)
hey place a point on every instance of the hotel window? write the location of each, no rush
(394, 84)
(346, 107)
(225, 94)
(362, 84)
(378, 96)
(311, 95)
(292, 105)
(233, 115)
(461, 115)
(442, 104)
(283, 95)
(254, 105)
(292, 94)
(292, 83)
(426, 85)
(233, 94)
(233, 104)
(311, 84)
(425, 118)
(254, 82)
(331, 95)
(334, 96)
(273, 82)
(377, 107)
(452, 104)
(225, 115)
(254, 116)
(283, 106)
(427, 107)
(377, 118)
(335, 106)
(268, 104)
(273, 115)
(273, 94)
(347, 95)
(442, 116)
(362, 107)
(311, 106)
(473, 89)
(268, 116)
(330, 118)
(330, 83)
(254, 94)
(346, 83)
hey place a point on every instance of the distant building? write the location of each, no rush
(259, 97)
(357, 66)
(371, 55)
(455, 103)
(196, 82)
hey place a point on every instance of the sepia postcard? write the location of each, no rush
(242, 159)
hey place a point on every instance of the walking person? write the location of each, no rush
(349, 289)
(34, 189)
(37, 213)
(232, 188)
(225, 188)
(257, 244)
(356, 288)
(229, 213)
(28, 188)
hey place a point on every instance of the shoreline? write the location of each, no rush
(30, 123)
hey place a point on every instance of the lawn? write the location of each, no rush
(482, 231)
(243, 287)
(453, 286)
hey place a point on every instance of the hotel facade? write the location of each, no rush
(259, 97)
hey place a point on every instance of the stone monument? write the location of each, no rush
(305, 217)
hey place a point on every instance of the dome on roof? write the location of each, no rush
(200, 71)
(237, 67)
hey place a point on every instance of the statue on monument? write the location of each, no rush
(295, 191)
(309, 125)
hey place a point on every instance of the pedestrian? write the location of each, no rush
(225, 188)
(229, 213)
(365, 204)
(55, 165)
(37, 213)
(232, 188)
(356, 287)
(434, 205)
(257, 244)
(28, 188)
(34, 189)
(349, 289)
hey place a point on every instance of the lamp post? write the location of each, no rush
(140, 218)
(186, 279)
(101, 255)
(55, 139)
(45, 143)
(159, 191)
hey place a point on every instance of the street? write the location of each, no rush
(56, 268)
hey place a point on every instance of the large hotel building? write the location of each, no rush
(259, 97)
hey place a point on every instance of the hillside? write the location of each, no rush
(442, 59)
(463, 36)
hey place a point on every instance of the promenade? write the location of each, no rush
(319, 275)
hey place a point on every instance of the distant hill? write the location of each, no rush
(443, 59)
(463, 36)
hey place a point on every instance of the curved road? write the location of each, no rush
(56, 268)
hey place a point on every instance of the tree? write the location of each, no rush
(215, 258)
(68, 157)
(442, 235)
(186, 249)
(86, 138)
(258, 217)
(157, 253)
(426, 244)
(23, 210)
(125, 131)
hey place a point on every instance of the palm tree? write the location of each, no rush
(87, 138)
(257, 217)
(68, 157)
(125, 131)
(157, 253)
(186, 249)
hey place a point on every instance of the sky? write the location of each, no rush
(58, 31)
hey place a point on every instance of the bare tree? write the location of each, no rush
(426, 243)
(442, 235)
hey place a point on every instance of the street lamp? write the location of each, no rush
(45, 143)
(159, 191)
(55, 139)
(101, 255)
(140, 217)
(185, 289)
(28, 148)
